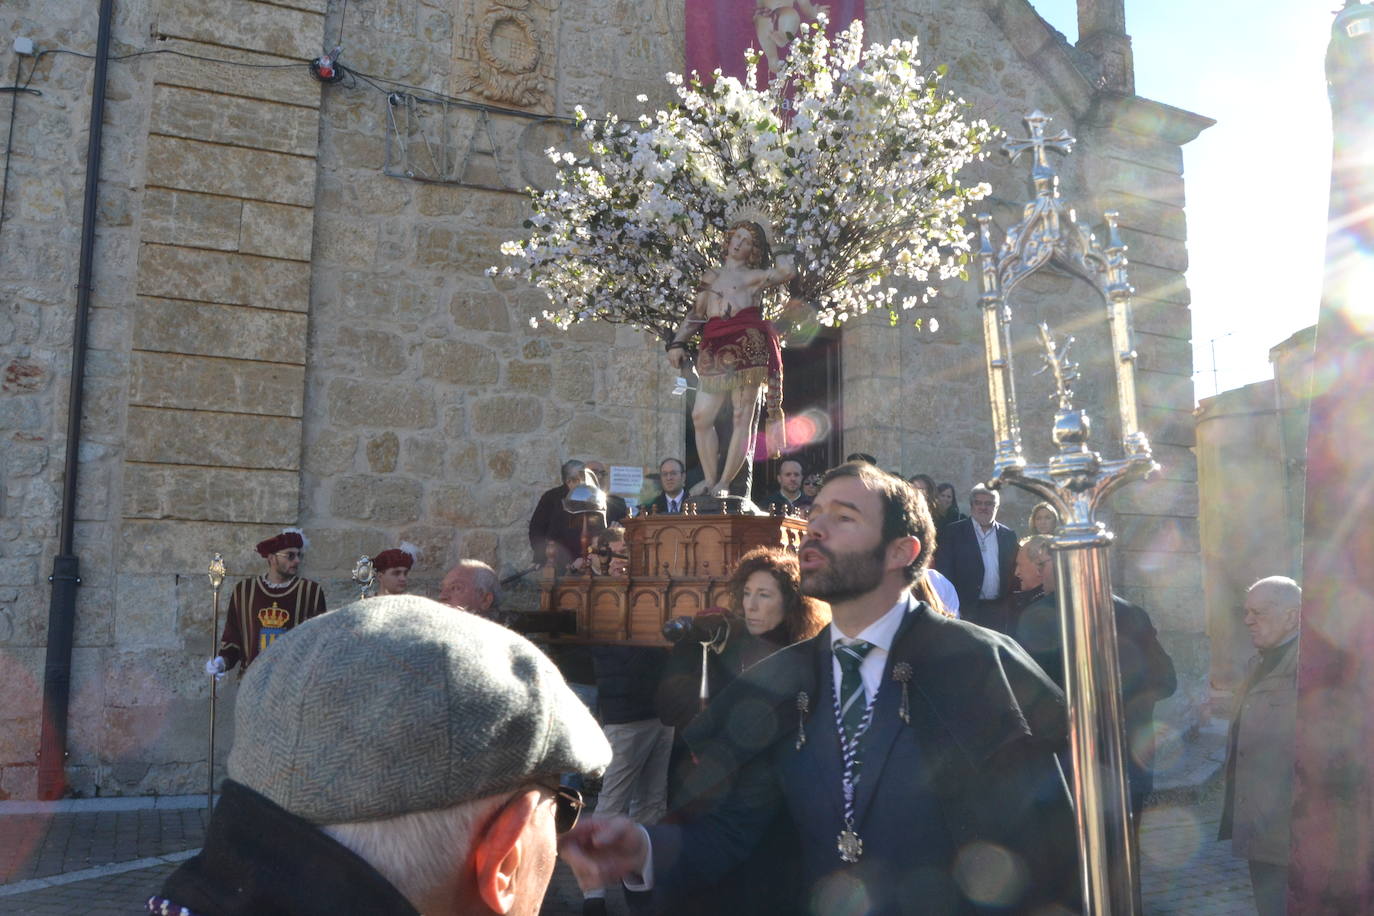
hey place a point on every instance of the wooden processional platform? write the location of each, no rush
(679, 565)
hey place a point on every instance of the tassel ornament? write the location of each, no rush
(901, 673)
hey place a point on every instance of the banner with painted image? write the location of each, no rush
(720, 31)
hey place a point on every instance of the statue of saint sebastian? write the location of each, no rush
(739, 355)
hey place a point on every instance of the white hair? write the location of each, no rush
(984, 488)
(417, 852)
(485, 578)
(1284, 588)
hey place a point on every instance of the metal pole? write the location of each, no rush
(1076, 480)
(216, 574)
(1097, 738)
(66, 565)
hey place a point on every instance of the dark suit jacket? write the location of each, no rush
(958, 557)
(551, 522)
(1147, 675)
(976, 764)
(659, 504)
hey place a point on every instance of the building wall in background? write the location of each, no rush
(289, 329)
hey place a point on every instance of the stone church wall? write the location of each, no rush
(285, 332)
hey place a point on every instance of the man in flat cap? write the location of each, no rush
(393, 566)
(393, 757)
(264, 607)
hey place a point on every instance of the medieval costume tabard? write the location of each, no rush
(259, 613)
(740, 352)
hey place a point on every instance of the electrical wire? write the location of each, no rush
(429, 95)
(371, 79)
(174, 52)
(9, 141)
(343, 17)
(348, 75)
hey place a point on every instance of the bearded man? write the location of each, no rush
(264, 607)
(912, 754)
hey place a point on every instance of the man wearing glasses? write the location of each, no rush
(264, 607)
(393, 757)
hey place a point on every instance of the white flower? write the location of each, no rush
(862, 181)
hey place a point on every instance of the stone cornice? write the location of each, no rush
(1049, 53)
(1138, 115)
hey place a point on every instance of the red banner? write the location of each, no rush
(720, 31)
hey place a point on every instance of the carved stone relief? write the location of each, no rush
(504, 52)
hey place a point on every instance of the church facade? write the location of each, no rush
(292, 322)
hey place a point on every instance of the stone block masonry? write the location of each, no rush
(284, 332)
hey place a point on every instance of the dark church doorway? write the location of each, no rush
(812, 402)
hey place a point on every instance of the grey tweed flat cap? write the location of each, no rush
(393, 705)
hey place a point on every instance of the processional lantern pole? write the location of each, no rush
(1076, 480)
(216, 575)
(364, 575)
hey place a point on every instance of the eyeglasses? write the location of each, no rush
(290, 554)
(568, 807)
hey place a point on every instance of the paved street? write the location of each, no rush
(103, 857)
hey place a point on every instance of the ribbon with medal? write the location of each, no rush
(849, 843)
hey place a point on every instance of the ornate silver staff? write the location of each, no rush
(216, 574)
(364, 575)
(1076, 480)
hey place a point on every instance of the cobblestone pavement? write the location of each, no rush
(82, 859)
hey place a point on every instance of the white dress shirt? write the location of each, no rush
(880, 633)
(992, 573)
(674, 502)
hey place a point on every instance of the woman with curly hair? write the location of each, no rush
(766, 591)
(768, 613)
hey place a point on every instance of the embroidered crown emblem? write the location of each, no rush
(273, 617)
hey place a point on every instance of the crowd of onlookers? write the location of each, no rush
(645, 698)
(319, 812)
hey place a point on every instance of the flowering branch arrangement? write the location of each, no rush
(851, 155)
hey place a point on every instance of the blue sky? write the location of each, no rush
(1257, 181)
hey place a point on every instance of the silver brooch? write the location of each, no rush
(901, 673)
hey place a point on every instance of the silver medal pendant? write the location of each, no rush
(849, 845)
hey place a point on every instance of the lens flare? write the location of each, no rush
(840, 894)
(1349, 284)
(808, 427)
(24, 833)
(990, 874)
(1174, 839)
(1156, 746)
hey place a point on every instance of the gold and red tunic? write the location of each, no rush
(740, 352)
(743, 351)
(259, 614)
